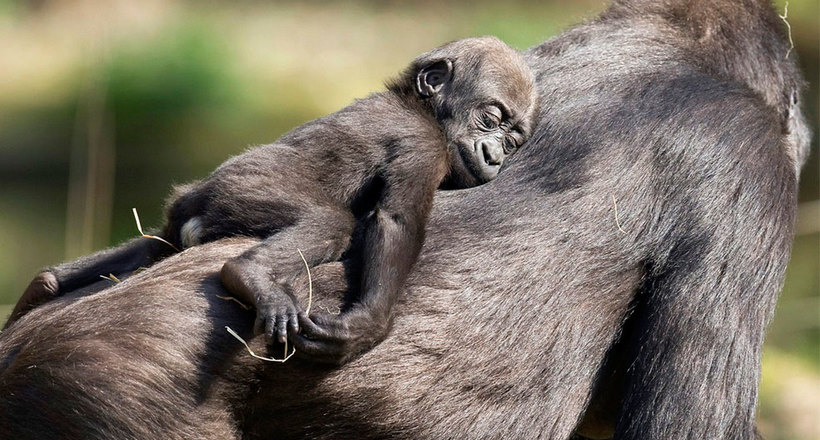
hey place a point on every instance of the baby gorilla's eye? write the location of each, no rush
(491, 118)
(489, 122)
(512, 141)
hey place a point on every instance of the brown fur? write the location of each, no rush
(531, 304)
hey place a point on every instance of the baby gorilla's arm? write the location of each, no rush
(393, 239)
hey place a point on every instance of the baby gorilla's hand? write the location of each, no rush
(336, 339)
(276, 311)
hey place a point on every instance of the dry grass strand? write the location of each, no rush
(336, 311)
(139, 228)
(230, 298)
(617, 221)
(111, 278)
(310, 282)
(785, 17)
(262, 358)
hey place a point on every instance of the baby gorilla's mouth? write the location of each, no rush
(479, 161)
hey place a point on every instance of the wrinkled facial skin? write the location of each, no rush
(483, 98)
(483, 141)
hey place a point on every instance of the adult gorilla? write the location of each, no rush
(621, 270)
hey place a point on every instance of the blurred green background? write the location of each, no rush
(105, 104)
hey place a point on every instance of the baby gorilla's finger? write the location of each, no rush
(270, 328)
(281, 328)
(293, 323)
(260, 324)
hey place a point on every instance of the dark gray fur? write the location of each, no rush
(534, 310)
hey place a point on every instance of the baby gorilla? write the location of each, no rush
(448, 121)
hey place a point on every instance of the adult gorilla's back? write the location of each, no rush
(654, 204)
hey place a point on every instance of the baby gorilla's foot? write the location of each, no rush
(42, 289)
(276, 313)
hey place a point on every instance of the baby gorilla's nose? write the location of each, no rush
(492, 151)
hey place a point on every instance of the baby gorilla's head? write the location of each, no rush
(481, 92)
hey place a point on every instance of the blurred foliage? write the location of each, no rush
(167, 75)
(789, 398)
(165, 90)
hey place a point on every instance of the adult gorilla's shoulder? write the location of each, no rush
(623, 267)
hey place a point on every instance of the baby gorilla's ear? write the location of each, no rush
(432, 77)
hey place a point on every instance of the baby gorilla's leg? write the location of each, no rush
(83, 272)
(42, 289)
(262, 274)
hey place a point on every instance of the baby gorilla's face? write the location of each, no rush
(487, 137)
(484, 100)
